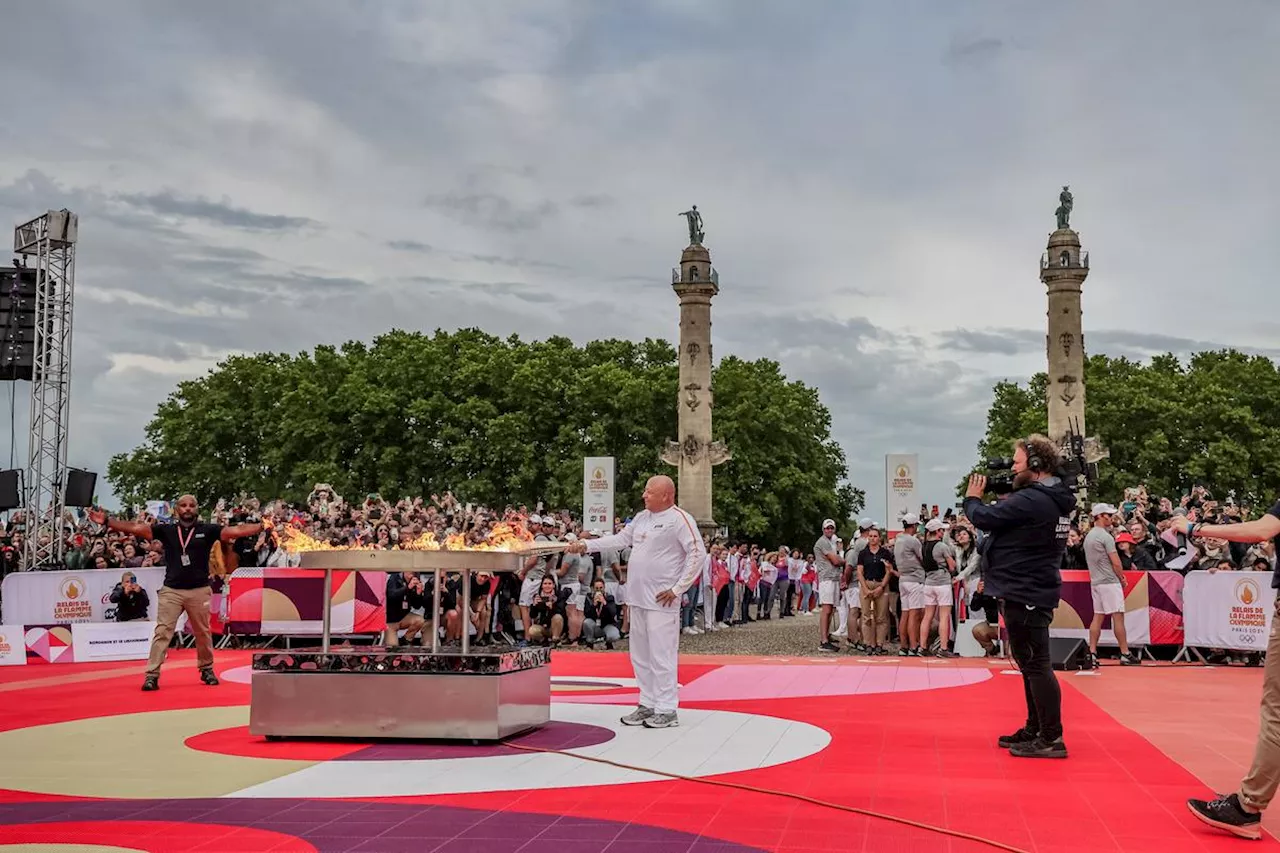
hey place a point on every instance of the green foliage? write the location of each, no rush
(1215, 420)
(497, 421)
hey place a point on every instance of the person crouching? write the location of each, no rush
(131, 600)
(600, 616)
(405, 593)
(546, 614)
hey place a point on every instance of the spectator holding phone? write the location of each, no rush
(131, 600)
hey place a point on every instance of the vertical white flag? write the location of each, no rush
(900, 473)
(597, 494)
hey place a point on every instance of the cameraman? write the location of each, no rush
(1027, 537)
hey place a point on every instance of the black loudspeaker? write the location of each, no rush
(10, 489)
(80, 487)
(1067, 653)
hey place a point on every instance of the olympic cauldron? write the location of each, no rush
(403, 692)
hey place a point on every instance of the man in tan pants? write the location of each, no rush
(1241, 813)
(187, 546)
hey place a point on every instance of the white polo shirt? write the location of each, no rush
(666, 554)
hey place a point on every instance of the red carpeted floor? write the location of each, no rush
(927, 755)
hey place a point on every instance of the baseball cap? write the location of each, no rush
(1103, 509)
(933, 525)
(909, 519)
(865, 524)
(1125, 537)
(570, 537)
(828, 523)
(535, 519)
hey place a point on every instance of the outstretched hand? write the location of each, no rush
(97, 515)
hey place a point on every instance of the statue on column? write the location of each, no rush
(695, 226)
(1065, 203)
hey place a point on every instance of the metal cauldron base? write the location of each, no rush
(400, 694)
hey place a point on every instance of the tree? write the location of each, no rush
(1214, 420)
(497, 421)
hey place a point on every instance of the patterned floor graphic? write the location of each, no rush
(95, 764)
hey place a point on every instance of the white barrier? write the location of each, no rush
(99, 641)
(1228, 610)
(61, 598)
(13, 645)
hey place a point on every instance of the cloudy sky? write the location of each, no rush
(878, 181)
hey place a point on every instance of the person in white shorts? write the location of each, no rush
(852, 591)
(830, 566)
(939, 567)
(908, 561)
(570, 578)
(1106, 583)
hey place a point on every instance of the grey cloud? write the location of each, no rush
(168, 203)
(410, 246)
(997, 342)
(495, 260)
(493, 211)
(973, 51)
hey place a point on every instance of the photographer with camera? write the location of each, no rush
(1027, 535)
(131, 600)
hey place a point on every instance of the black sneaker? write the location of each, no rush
(207, 677)
(1039, 748)
(1022, 735)
(1227, 814)
(828, 647)
(1130, 660)
(151, 682)
(947, 653)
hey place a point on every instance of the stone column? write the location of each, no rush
(694, 454)
(1063, 269)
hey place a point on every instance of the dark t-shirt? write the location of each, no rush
(1275, 575)
(874, 563)
(200, 539)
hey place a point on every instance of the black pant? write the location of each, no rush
(1029, 642)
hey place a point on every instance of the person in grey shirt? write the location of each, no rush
(908, 561)
(830, 566)
(1106, 583)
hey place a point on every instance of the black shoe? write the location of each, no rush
(207, 676)
(151, 682)
(1254, 659)
(608, 644)
(1039, 748)
(1022, 735)
(828, 647)
(1226, 814)
(947, 653)
(1130, 660)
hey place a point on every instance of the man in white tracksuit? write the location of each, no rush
(667, 557)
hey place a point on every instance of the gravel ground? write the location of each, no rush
(793, 636)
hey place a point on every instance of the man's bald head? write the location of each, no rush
(187, 509)
(659, 493)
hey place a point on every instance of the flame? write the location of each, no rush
(73, 591)
(505, 536)
(1246, 594)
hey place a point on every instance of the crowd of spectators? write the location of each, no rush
(561, 599)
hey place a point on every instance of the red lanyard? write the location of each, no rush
(185, 542)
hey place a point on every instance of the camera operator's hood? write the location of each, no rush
(1056, 489)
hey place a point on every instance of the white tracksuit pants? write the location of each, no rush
(842, 608)
(655, 649)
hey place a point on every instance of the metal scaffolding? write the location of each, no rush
(51, 239)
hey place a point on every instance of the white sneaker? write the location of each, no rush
(695, 629)
(687, 631)
(713, 627)
(724, 624)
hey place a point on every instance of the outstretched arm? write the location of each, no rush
(239, 531)
(134, 528)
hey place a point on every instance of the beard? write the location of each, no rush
(1023, 479)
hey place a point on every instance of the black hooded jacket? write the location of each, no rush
(1027, 536)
